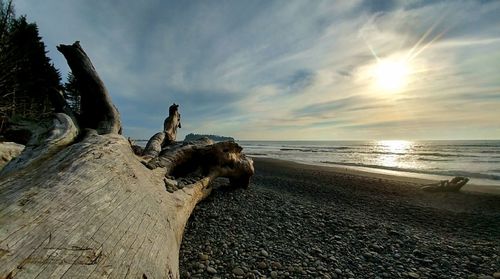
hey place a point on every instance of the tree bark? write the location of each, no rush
(85, 206)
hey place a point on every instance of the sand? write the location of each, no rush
(300, 221)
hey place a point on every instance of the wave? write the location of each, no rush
(434, 160)
(349, 150)
(257, 154)
(287, 147)
(437, 172)
(313, 149)
(495, 144)
(487, 161)
(298, 149)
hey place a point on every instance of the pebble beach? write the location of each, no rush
(301, 221)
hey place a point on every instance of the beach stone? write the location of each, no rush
(496, 275)
(274, 274)
(238, 271)
(358, 252)
(200, 266)
(203, 257)
(413, 275)
(485, 277)
(376, 247)
(211, 270)
(276, 265)
(475, 258)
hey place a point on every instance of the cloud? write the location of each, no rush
(318, 109)
(263, 69)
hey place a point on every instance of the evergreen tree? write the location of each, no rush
(6, 16)
(34, 74)
(6, 20)
(27, 76)
(71, 93)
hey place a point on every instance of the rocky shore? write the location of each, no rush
(299, 221)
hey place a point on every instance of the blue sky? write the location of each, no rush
(290, 69)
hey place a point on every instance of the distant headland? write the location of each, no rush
(192, 137)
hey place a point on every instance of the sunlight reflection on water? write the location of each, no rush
(389, 153)
(478, 160)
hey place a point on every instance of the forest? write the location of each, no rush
(28, 79)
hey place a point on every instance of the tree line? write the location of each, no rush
(27, 75)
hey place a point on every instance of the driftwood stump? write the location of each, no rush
(452, 185)
(166, 137)
(81, 204)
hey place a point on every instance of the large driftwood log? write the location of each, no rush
(90, 208)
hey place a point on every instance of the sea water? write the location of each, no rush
(478, 160)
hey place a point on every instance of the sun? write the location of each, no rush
(391, 75)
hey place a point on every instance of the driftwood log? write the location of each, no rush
(80, 204)
(452, 185)
(162, 139)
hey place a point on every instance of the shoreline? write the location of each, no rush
(471, 188)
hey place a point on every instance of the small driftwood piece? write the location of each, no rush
(453, 185)
(78, 203)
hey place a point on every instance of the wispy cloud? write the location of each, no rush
(267, 69)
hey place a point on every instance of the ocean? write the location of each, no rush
(477, 159)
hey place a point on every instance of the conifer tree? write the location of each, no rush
(71, 94)
(27, 75)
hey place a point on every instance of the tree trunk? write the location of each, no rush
(92, 208)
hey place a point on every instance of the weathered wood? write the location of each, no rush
(93, 209)
(170, 125)
(79, 203)
(453, 185)
(73, 214)
(204, 157)
(44, 143)
(138, 150)
(97, 110)
(8, 151)
(165, 138)
(153, 147)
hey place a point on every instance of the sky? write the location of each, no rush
(290, 70)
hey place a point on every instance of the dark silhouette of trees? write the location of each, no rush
(71, 94)
(6, 16)
(27, 76)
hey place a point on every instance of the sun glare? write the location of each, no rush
(395, 146)
(391, 75)
(390, 151)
